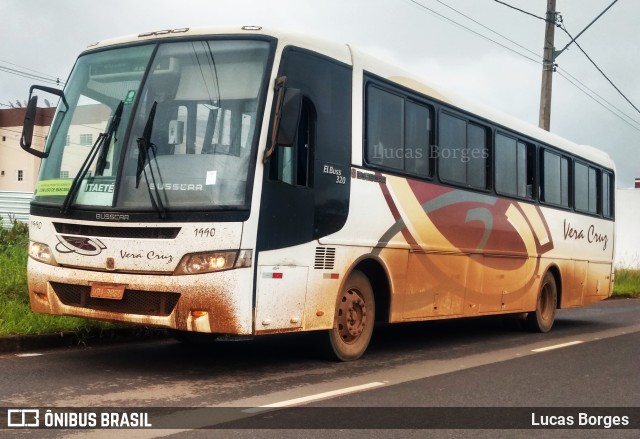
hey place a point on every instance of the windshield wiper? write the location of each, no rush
(101, 146)
(104, 151)
(145, 147)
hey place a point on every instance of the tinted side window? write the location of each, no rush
(417, 139)
(453, 140)
(515, 167)
(607, 199)
(398, 132)
(462, 152)
(555, 179)
(593, 190)
(581, 187)
(585, 183)
(384, 113)
(475, 157)
(506, 178)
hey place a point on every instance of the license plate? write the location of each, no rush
(107, 291)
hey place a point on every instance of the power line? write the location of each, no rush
(488, 28)
(599, 69)
(472, 31)
(30, 75)
(620, 112)
(631, 122)
(557, 53)
(27, 68)
(573, 40)
(567, 76)
(521, 10)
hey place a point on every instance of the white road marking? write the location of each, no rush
(33, 354)
(316, 397)
(556, 346)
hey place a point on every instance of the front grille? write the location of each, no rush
(118, 232)
(133, 302)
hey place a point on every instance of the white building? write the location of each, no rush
(628, 227)
(18, 169)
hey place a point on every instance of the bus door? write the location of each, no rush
(305, 193)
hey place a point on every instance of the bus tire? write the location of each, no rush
(354, 318)
(541, 320)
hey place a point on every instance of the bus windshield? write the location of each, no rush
(187, 114)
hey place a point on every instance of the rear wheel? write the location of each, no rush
(354, 318)
(542, 319)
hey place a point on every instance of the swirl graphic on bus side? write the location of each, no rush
(498, 240)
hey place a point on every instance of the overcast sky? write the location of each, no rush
(47, 35)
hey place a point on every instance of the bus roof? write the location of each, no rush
(362, 61)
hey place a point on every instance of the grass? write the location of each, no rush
(13, 260)
(627, 283)
(16, 317)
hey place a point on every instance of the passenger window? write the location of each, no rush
(515, 167)
(417, 139)
(555, 179)
(585, 183)
(398, 132)
(607, 200)
(462, 152)
(384, 116)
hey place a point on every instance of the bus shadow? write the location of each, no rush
(296, 352)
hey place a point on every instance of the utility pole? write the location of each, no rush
(548, 66)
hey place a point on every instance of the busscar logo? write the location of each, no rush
(23, 418)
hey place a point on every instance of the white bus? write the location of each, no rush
(242, 181)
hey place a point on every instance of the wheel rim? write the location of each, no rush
(352, 315)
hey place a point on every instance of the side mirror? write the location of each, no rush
(289, 117)
(286, 118)
(26, 138)
(27, 127)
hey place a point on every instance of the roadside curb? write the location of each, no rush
(22, 343)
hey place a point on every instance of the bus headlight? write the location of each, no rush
(208, 262)
(42, 253)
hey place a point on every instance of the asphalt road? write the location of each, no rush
(409, 375)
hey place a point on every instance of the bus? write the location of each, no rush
(243, 181)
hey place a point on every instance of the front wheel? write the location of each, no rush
(542, 319)
(354, 318)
